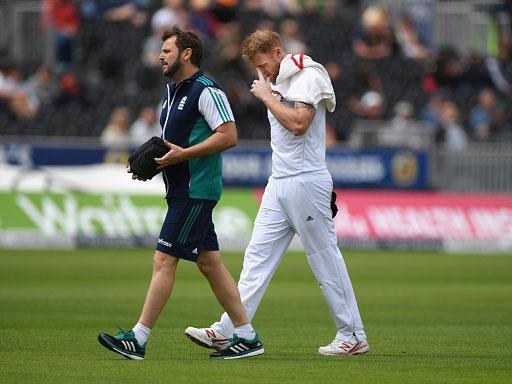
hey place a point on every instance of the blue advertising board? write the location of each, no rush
(372, 168)
(251, 166)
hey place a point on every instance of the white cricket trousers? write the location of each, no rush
(298, 205)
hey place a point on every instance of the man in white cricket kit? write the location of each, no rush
(297, 200)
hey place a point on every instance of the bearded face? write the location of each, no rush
(170, 58)
(173, 68)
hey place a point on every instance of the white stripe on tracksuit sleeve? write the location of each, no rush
(214, 106)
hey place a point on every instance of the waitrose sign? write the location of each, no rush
(109, 215)
(84, 218)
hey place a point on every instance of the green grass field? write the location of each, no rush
(430, 318)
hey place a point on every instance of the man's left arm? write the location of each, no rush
(223, 137)
(296, 120)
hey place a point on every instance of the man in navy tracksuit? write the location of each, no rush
(197, 124)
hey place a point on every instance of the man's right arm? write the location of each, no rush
(296, 120)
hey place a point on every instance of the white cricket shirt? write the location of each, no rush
(292, 154)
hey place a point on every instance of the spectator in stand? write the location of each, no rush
(371, 105)
(482, 116)
(146, 126)
(375, 39)
(367, 101)
(409, 40)
(421, 13)
(116, 134)
(403, 116)
(448, 69)
(431, 113)
(40, 89)
(23, 98)
(62, 19)
(450, 133)
(292, 42)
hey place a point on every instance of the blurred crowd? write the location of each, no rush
(104, 79)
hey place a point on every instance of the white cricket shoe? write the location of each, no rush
(345, 348)
(207, 337)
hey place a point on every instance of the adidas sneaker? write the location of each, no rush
(207, 337)
(239, 348)
(123, 343)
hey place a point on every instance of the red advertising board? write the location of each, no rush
(423, 216)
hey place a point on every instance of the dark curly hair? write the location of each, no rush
(186, 40)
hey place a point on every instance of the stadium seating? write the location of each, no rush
(110, 73)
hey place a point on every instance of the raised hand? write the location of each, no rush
(261, 88)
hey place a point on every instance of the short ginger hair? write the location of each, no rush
(260, 42)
